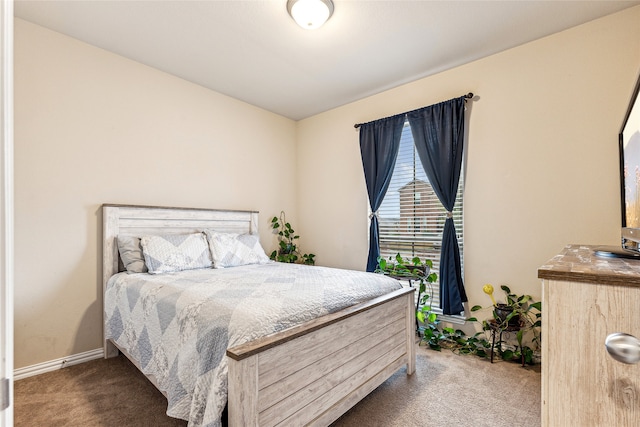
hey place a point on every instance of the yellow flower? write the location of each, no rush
(488, 289)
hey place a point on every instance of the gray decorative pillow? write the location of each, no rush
(232, 249)
(175, 252)
(131, 254)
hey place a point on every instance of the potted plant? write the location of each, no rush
(519, 313)
(414, 269)
(418, 271)
(287, 248)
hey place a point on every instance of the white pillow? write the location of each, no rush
(232, 249)
(131, 254)
(175, 252)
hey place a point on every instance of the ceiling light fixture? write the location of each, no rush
(310, 14)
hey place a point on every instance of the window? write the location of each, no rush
(411, 217)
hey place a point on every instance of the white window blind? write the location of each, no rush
(411, 217)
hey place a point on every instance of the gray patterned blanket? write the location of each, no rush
(178, 326)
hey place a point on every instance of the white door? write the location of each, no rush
(6, 214)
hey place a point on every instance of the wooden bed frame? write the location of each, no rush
(306, 375)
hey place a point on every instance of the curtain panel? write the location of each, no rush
(379, 144)
(438, 133)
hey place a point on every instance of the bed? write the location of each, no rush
(307, 373)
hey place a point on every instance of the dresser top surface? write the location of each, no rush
(578, 263)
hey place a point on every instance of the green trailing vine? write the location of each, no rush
(287, 247)
(418, 270)
(521, 309)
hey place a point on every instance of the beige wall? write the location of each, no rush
(91, 128)
(542, 165)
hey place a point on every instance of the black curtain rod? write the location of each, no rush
(467, 96)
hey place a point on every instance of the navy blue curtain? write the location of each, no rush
(438, 132)
(379, 144)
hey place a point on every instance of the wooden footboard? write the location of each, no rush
(313, 373)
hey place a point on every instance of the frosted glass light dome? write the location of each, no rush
(310, 14)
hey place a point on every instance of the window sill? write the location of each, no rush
(451, 318)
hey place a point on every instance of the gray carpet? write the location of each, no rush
(446, 390)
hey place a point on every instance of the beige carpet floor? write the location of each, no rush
(452, 390)
(446, 390)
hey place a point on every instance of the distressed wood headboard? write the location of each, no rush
(138, 221)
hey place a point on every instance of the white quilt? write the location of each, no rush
(179, 325)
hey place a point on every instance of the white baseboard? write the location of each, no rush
(54, 365)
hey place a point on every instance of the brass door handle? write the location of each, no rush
(624, 348)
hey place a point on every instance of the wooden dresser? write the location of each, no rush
(585, 298)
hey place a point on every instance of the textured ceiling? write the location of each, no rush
(253, 51)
